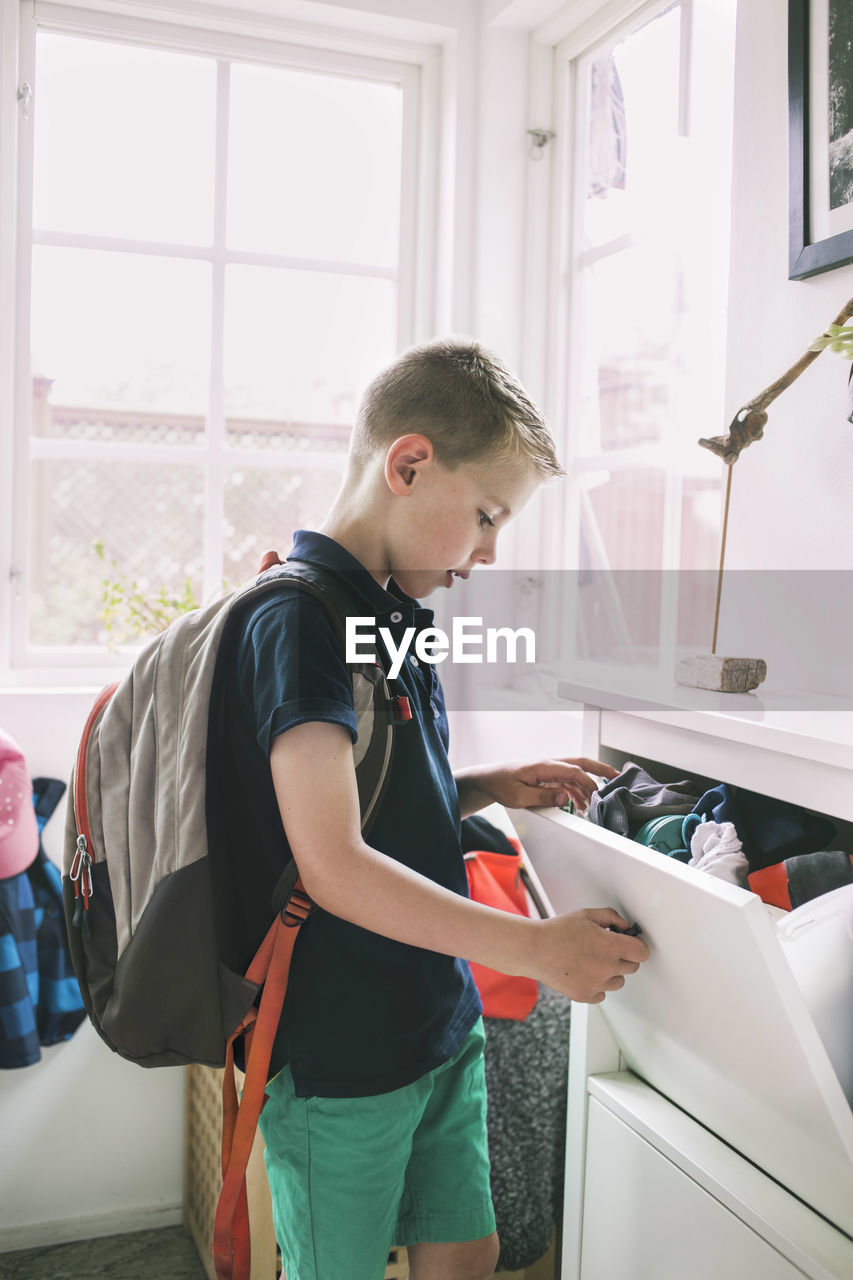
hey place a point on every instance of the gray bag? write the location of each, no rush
(137, 890)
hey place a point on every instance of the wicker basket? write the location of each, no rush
(202, 1180)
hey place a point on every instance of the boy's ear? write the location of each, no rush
(407, 456)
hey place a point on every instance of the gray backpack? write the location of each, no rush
(136, 875)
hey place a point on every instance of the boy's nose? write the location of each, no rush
(486, 554)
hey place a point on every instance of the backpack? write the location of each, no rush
(137, 889)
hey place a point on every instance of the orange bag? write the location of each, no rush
(495, 879)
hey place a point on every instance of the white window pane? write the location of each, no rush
(246, 432)
(621, 549)
(633, 149)
(622, 514)
(113, 330)
(124, 140)
(263, 509)
(131, 509)
(701, 521)
(701, 533)
(314, 166)
(125, 426)
(301, 346)
(629, 355)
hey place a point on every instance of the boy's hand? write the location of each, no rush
(526, 786)
(313, 773)
(579, 956)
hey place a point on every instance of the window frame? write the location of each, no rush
(562, 53)
(415, 68)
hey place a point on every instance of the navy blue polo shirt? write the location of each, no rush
(363, 1014)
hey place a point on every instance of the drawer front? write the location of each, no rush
(714, 1019)
(645, 1218)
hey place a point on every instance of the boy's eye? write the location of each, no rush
(483, 519)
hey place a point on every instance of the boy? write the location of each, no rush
(375, 1120)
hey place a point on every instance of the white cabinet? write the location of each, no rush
(645, 1219)
(708, 1135)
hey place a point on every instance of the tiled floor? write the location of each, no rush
(165, 1254)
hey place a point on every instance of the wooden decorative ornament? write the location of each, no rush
(711, 671)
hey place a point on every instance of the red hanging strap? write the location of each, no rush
(270, 967)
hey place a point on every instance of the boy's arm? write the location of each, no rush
(315, 784)
(543, 783)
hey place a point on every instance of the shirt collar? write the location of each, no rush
(318, 548)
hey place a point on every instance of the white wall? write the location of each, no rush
(491, 737)
(91, 1144)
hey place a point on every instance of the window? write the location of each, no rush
(222, 254)
(641, 310)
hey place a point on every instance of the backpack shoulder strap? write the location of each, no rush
(378, 710)
(315, 580)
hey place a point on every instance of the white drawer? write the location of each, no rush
(645, 1218)
(714, 1020)
(692, 1167)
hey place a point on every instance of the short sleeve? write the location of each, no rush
(291, 669)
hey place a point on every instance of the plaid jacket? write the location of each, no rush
(40, 1000)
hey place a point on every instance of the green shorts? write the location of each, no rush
(350, 1177)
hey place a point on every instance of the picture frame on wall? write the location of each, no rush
(820, 136)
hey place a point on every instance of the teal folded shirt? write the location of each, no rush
(669, 834)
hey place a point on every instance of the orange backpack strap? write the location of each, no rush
(270, 967)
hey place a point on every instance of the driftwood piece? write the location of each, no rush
(739, 675)
(749, 422)
(747, 425)
(725, 675)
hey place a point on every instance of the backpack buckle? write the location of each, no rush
(297, 908)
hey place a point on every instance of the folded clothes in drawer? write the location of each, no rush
(773, 847)
(797, 880)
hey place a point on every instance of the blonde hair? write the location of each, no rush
(463, 398)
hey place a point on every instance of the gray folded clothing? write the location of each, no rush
(634, 797)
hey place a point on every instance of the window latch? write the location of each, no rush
(539, 139)
(25, 99)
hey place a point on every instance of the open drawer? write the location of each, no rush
(715, 1019)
